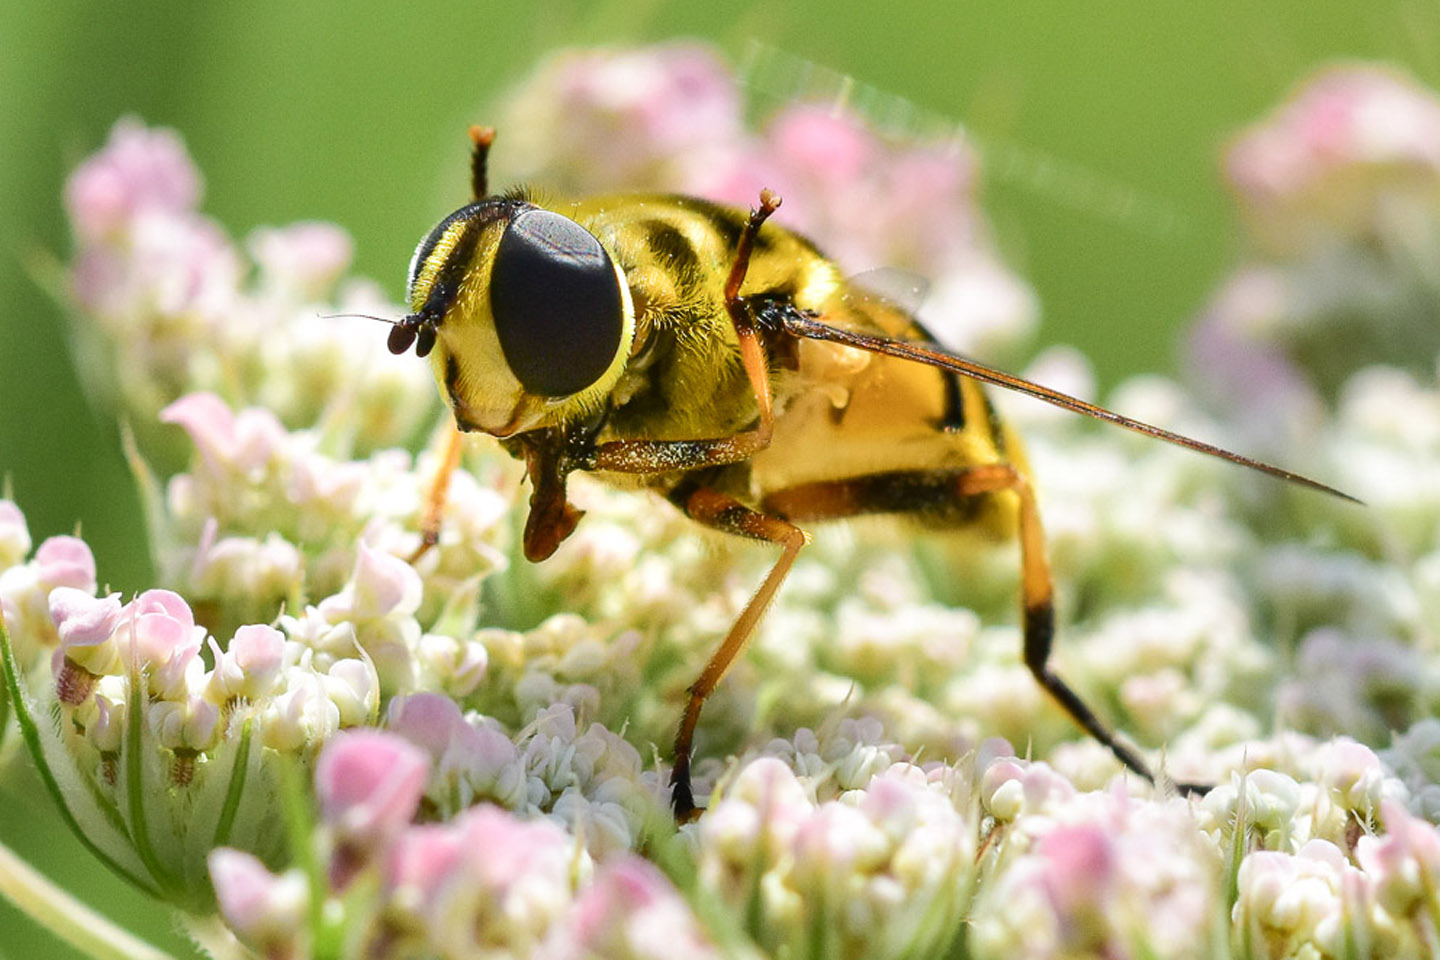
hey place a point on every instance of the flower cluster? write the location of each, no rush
(1340, 189)
(1324, 336)
(483, 883)
(880, 868)
(25, 586)
(181, 309)
(266, 516)
(153, 729)
(1090, 874)
(466, 749)
(1373, 898)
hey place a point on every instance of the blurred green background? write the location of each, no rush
(355, 113)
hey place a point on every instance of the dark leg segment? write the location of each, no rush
(933, 491)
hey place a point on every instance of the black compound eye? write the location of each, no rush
(556, 302)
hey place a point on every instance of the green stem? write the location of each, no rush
(239, 770)
(135, 786)
(212, 937)
(70, 920)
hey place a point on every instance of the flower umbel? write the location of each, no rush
(343, 746)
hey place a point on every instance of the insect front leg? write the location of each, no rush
(662, 456)
(941, 492)
(549, 457)
(721, 512)
(439, 490)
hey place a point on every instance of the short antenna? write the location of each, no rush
(481, 137)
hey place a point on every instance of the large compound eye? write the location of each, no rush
(556, 302)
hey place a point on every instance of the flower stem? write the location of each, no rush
(40, 899)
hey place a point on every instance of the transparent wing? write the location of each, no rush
(800, 325)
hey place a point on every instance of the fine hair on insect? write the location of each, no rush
(721, 361)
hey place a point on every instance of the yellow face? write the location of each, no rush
(529, 317)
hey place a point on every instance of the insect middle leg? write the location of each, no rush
(722, 512)
(933, 491)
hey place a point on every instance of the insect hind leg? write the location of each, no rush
(936, 492)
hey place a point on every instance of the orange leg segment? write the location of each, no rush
(434, 511)
(722, 512)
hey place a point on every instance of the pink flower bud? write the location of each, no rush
(302, 260)
(66, 562)
(891, 800)
(353, 686)
(226, 441)
(1353, 772)
(458, 666)
(382, 584)
(419, 862)
(14, 535)
(428, 720)
(267, 911)
(486, 883)
(257, 649)
(369, 783)
(107, 730)
(484, 759)
(191, 725)
(1333, 162)
(83, 620)
(1404, 864)
(1080, 869)
(504, 852)
(1002, 788)
(140, 170)
(632, 912)
(766, 804)
(85, 625)
(158, 632)
(166, 603)
(831, 846)
(250, 667)
(247, 566)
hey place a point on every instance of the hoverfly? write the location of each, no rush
(670, 343)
